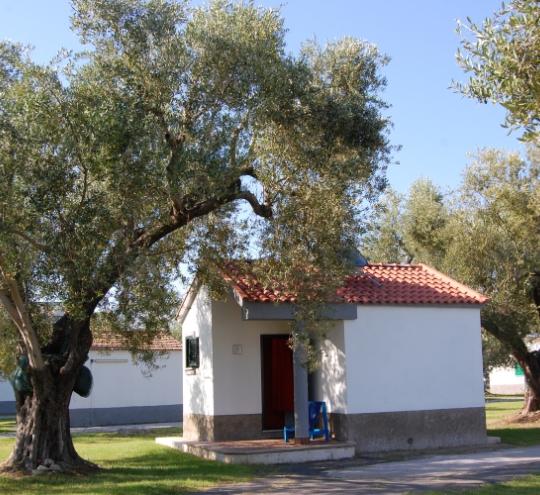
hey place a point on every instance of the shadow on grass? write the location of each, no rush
(132, 466)
(517, 436)
(7, 424)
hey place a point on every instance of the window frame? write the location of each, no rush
(193, 359)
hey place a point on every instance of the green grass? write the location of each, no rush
(7, 424)
(514, 433)
(132, 465)
(497, 411)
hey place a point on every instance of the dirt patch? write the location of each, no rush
(530, 419)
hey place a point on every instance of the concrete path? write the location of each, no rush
(113, 429)
(438, 472)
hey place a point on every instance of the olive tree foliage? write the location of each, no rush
(180, 135)
(409, 228)
(502, 56)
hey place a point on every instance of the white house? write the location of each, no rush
(401, 367)
(7, 404)
(510, 379)
(123, 392)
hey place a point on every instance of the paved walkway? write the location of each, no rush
(415, 475)
(114, 429)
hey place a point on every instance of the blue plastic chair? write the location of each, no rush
(318, 422)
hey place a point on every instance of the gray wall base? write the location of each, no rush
(110, 416)
(7, 407)
(206, 428)
(408, 430)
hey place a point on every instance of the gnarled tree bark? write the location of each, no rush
(530, 363)
(43, 438)
(528, 360)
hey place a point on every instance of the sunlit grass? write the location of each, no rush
(132, 464)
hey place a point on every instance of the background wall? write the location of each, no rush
(120, 382)
(7, 399)
(123, 394)
(506, 381)
(410, 358)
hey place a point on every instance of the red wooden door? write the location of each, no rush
(277, 381)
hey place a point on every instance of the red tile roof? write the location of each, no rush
(113, 342)
(373, 284)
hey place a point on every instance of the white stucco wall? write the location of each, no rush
(237, 358)
(198, 385)
(407, 358)
(330, 380)
(120, 382)
(6, 391)
(505, 380)
(228, 380)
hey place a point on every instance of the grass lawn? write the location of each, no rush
(7, 424)
(132, 465)
(515, 433)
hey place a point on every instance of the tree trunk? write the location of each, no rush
(43, 439)
(531, 369)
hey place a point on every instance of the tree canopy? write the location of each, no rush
(146, 142)
(180, 135)
(503, 57)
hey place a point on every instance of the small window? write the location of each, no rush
(192, 352)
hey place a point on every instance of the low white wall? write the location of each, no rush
(408, 358)
(198, 384)
(6, 391)
(120, 382)
(505, 381)
(237, 358)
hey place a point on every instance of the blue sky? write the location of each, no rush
(436, 127)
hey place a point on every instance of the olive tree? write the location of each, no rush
(502, 56)
(180, 134)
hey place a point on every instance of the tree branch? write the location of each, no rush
(262, 209)
(36, 244)
(182, 217)
(142, 239)
(11, 299)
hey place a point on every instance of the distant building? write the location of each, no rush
(122, 393)
(511, 380)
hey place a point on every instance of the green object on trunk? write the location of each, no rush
(519, 370)
(84, 382)
(19, 379)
